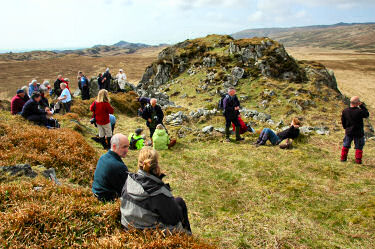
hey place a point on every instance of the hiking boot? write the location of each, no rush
(227, 140)
(240, 139)
(344, 154)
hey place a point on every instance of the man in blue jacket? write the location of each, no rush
(111, 172)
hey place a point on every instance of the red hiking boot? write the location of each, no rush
(358, 156)
(344, 154)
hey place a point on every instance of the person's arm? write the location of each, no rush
(161, 114)
(343, 120)
(117, 177)
(167, 208)
(110, 108)
(145, 114)
(92, 107)
(365, 113)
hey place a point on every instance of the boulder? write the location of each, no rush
(25, 170)
(94, 87)
(209, 61)
(208, 129)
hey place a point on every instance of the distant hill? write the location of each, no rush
(358, 36)
(118, 48)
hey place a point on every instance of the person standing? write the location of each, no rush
(153, 114)
(100, 81)
(17, 102)
(107, 79)
(352, 121)
(65, 97)
(111, 172)
(231, 106)
(102, 109)
(121, 79)
(83, 84)
(56, 85)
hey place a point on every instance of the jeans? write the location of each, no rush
(268, 134)
(359, 142)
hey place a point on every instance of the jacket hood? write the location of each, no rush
(160, 133)
(142, 185)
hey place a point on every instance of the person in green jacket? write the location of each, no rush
(136, 140)
(161, 140)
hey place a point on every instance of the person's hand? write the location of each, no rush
(149, 120)
(237, 108)
(49, 113)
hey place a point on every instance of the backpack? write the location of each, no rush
(221, 102)
(133, 143)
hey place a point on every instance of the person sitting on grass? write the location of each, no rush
(31, 110)
(101, 109)
(33, 87)
(17, 103)
(65, 97)
(161, 140)
(111, 172)
(136, 140)
(291, 133)
(147, 202)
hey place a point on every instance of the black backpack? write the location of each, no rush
(220, 105)
(133, 143)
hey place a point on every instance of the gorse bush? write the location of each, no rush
(63, 149)
(65, 216)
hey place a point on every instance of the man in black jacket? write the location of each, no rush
(153, 114)
(107, 79)
(56, 85)
(352, 121)
(231, 106)
(32, 112)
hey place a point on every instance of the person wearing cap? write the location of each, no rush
(31, 110)
(107, 79)
(352, 121)
(136, 140)
(17, 102)
(121, 79)
(33, 87)
(65, 97)
(147, 202)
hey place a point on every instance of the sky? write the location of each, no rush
(64, 24)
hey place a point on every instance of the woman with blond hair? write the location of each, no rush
(291, 133)
(101, 109)
(147, 202)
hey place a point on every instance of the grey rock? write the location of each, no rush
(208, 129)
(209, 61)
(238, 73)
(270, 122)
(280, 124)
(269, 93)
(306, 130)
(19, 170)
(94, 87)
(220, 130)
(162, 74)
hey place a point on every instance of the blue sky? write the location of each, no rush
(50, 24)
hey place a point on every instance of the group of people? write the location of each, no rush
(146, 201)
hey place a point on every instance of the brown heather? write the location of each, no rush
(63, 149)
(66, 216)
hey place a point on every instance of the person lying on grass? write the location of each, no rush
(147, 202)
(291, 133)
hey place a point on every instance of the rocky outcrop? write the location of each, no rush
(25, 170)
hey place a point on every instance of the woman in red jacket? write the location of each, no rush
(101, 109)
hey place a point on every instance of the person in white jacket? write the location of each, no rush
(121, 79)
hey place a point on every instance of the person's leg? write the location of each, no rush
(238, 129)
(68, 105)
(345, 148)
(108, 135)
(227, 126)
(359, 143)
(185, 222)
(102, 136)
(38, 119)
(152, 131)
(106, 197)
(275, 140)
(266, 134)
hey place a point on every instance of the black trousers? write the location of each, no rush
(38, 119)
(67, 106)
(106, 197)
(182, 205)
(85, 93)
(229, 120)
